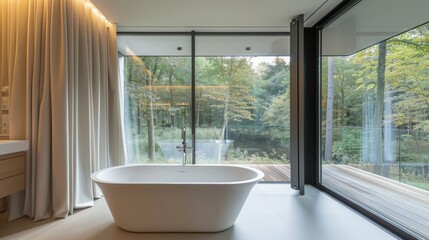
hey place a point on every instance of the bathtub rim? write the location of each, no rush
(259, 176)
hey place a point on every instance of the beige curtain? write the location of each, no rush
(62, 65)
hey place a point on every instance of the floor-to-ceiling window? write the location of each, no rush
(241, 112)
(375, 111)
(157, 96)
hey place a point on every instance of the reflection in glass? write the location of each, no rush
(157, 106)
(375, 128)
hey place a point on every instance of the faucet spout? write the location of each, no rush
(184, 145)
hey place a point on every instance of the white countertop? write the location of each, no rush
(13, 146)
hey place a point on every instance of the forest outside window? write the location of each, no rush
(241, 112)
(375, 121)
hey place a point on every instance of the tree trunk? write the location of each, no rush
(197, 121)
(210, 118)
(379, 109)
(150, 121)
(225, 117)
(416, 140)
(150, 134)
(343, 104)
(172, 107)
(139, 121)
(329, 110)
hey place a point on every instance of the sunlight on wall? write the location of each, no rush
(96, 12)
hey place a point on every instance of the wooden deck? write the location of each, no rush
(273, 172)
(404, 204)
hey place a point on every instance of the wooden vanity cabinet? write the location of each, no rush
(12, 173)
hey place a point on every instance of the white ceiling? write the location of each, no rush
(211, 15)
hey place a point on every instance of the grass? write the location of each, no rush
(421, 185)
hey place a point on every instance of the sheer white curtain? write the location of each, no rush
(62, 65)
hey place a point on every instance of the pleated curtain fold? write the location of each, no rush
(61, 61)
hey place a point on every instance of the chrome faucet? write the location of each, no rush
(184, 144)
(183, 147)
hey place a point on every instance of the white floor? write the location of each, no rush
(272, 211)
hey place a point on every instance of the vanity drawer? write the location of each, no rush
(12, 165)
(12, 185)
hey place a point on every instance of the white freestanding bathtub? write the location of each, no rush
(165, 198)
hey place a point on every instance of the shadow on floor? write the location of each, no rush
(114, 232)
(19, 225)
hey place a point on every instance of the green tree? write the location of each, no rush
(236, 74)
(277, 115)
(273, 82)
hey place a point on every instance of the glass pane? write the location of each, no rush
(242, 102)
(157, 99)
(375, 128)
(370, 22)
(242, 113)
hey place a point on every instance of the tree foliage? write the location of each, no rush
(229, 91)
(406, 89)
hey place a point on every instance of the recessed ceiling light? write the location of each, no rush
(248, 48)
(179, 48)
